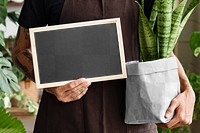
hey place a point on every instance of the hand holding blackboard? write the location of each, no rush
(92, 49)
(71, 91)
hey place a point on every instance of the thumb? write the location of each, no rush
(173, 105)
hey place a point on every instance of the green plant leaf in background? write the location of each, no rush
(195, 43)
(3, 10)
(9, 124)
(26, 103)
(18, 73)
(13, 16)
(2, 94)
(8, 81)
(195, 83)
(2, 43)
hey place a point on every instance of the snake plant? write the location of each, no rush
(159, 34)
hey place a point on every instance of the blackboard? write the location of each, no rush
(92, 49)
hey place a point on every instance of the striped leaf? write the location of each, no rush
(141, 39)
(164, 25)
(190, 8)
(174, 4)
(154, 14)
(186, 16)
(2, 43)
(147, 38)
(158, 42)
(176, 21)
(142, 4)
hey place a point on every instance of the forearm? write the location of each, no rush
(184, 82)
(21, 53)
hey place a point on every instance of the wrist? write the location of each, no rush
(185, 85)
(189, 93)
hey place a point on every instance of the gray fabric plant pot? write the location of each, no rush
(150, 87)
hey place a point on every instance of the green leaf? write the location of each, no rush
(195, 83)
(18, 73)
(31, 109)
(190, 8)
(174, 4)
(9, 124)
(13, 16)
(10, 75)
(195, 43)
(2, 43)
(176, 21)
(3, 2)
(4, 63)
(8, 81)
(165, 8)
(26, 103)
(147, 38)
(4, 85)
(3, 13)
(14, 86)
(2, 103)
(186, 16)
(154, 13)
(170, 22)
(160, 130)
(142, 4)
(168, 130)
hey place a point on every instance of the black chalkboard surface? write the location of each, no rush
(92, 50)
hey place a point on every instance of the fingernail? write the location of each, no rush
(82, 79)
(87, 83)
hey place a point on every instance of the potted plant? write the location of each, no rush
(153, 81)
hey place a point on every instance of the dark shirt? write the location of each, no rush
(37, 13)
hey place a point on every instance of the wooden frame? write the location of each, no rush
(116, 21)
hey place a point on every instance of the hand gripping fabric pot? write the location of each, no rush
(150, 87)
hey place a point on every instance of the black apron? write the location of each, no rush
(102, 109)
